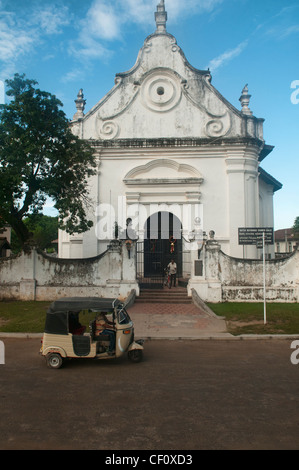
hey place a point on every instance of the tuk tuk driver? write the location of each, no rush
(105, 327)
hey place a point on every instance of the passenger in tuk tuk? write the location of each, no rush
(75, 326)
(105, 327)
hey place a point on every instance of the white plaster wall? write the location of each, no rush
(35, 276)
(227, 192)
(230, 279)
(243, 279)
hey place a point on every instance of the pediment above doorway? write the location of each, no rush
(163, 172)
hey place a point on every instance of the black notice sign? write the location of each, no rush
(254, 236)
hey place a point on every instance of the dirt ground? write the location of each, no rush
(185, 395)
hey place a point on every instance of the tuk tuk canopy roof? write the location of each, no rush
(66, 304)
(57, 314)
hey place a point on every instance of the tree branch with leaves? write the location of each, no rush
(296, 228)
(40, 158)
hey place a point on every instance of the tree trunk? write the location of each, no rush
(21, 231)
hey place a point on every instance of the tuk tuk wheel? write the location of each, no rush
(135, 355)
(54, 361)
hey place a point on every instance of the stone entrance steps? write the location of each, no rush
(175, 295)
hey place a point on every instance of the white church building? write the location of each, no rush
(175, 161)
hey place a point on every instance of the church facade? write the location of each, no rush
(177, 163)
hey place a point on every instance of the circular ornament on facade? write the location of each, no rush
(214, 128)
(108, 130)
(218, 126)
(160, 92)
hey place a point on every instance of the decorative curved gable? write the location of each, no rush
(163, 96)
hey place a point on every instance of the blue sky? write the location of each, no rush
(71, 44)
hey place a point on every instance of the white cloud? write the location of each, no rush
(178, 8)
(51, 18)
(285, 32)
(21, 32)
(281, 23)
(105, 21)
(87, 48)
(100, 24)
(226, 56)
(25, 29)
(138, 11)
(73, 75)
(15, 42)
(102, 21)
(142, 11)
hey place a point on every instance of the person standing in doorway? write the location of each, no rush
(172, 269)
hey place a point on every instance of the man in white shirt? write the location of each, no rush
(172, 269)
(106, 327)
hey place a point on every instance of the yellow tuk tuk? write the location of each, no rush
(65, 338)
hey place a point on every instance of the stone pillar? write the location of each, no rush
(236, 202)
(28, 289)
(205, 277)
(114, 262)
(122, 269)
(128, 281)
(212, 271)
(28, 281)
(251, 209)
(242, 171)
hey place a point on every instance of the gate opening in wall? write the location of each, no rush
(162, 243)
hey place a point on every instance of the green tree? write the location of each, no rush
(43, 229)
(296, 228)
(41, 158)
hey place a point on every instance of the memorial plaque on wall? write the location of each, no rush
(198, 267)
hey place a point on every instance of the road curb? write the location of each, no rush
(21, 335)
(207, 337)
(221, 338)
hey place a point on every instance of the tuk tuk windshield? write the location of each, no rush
(123, 317)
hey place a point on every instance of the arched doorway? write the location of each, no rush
(162, 243)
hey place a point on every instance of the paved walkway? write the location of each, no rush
(172, 320)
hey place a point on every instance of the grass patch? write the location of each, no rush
(248, 318)
(241, 318)
(29, 317)
(23, 317)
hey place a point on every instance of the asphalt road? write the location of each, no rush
(185, 395)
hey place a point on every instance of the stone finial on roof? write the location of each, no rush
(161, 18)
(244, 100)
(80, 105)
